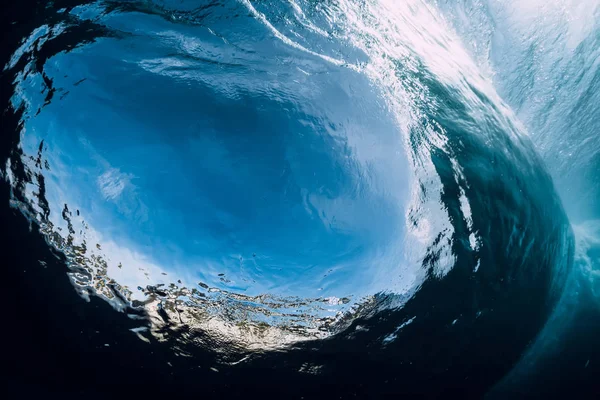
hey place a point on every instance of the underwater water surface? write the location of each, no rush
(352, 198)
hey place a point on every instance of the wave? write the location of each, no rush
(290, 176)
(544, 64)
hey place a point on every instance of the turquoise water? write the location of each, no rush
(544, 59)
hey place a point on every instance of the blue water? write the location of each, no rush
(407, 178)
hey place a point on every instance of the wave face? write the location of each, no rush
(543, 60)
(281, 182)
(545, 65)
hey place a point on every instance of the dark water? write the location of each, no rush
(287, 200)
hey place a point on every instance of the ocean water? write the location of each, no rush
(298, 199)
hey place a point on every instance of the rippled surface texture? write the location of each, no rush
(317, 188)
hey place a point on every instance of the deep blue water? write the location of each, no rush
(302, 199)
